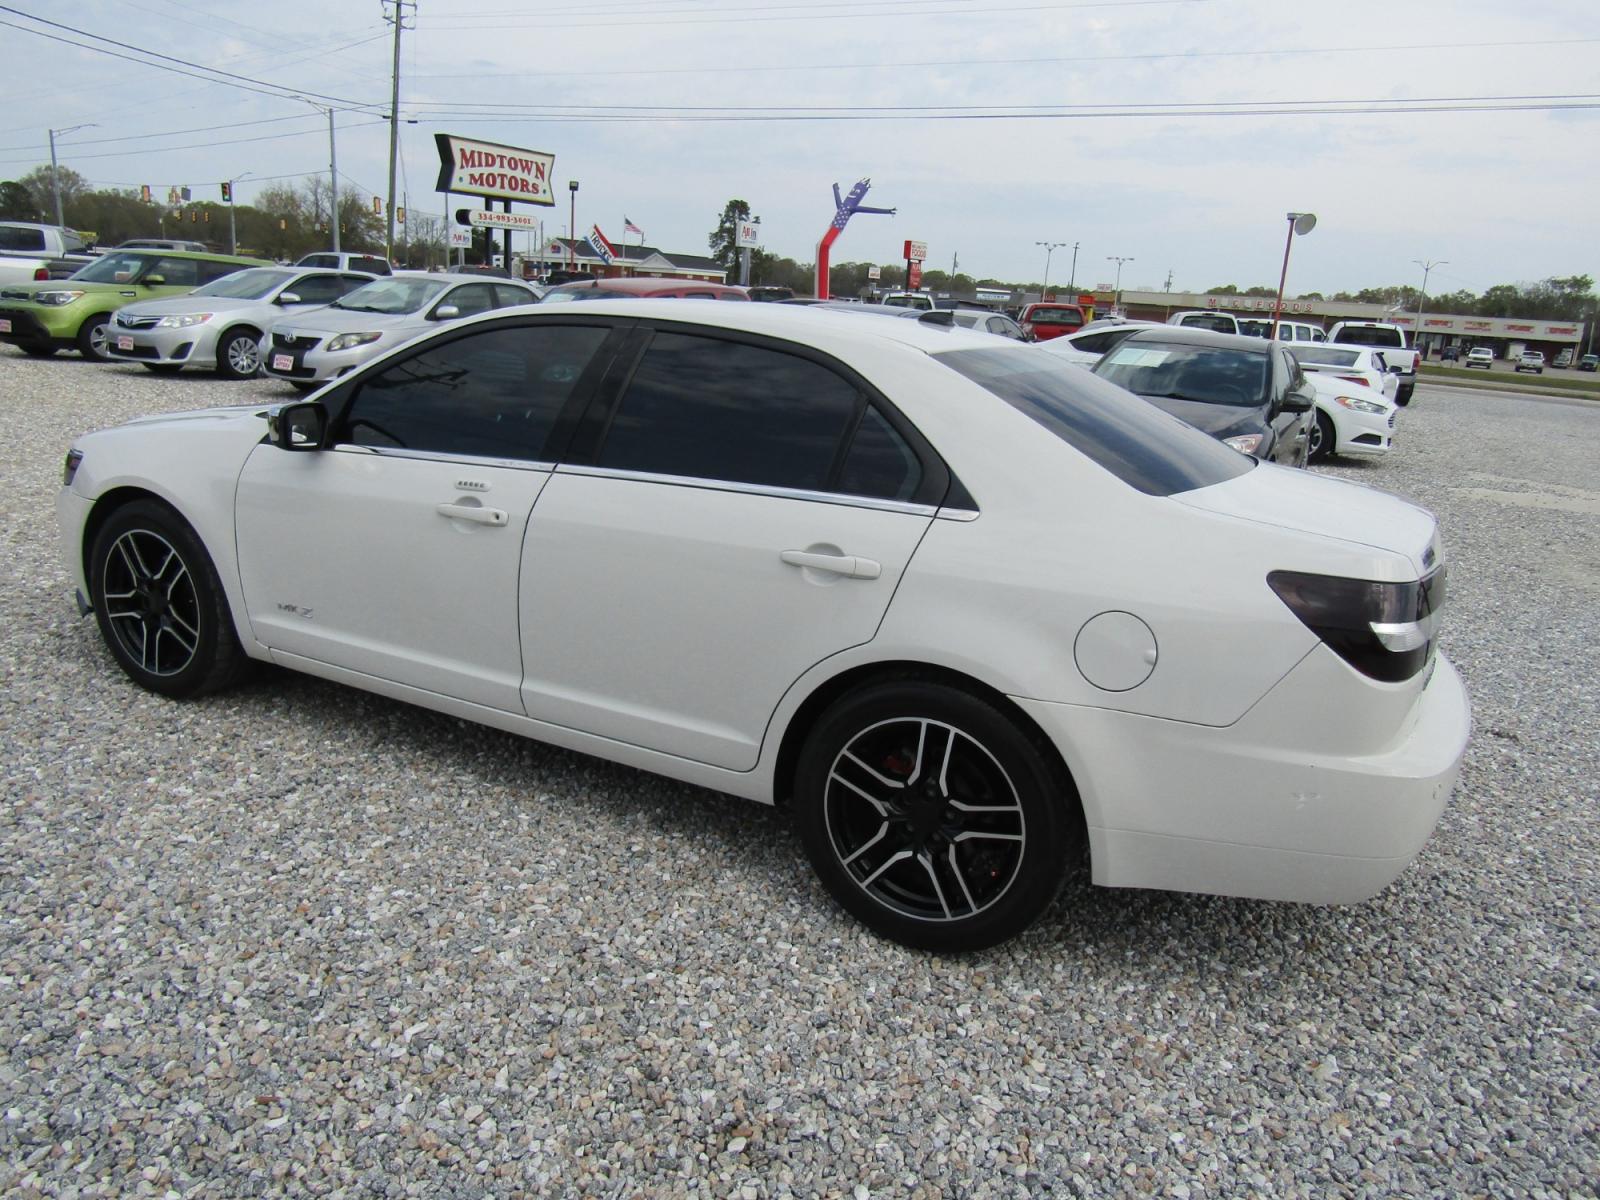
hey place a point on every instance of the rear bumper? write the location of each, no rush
(1309, 797)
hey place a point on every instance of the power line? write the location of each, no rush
(244, 81)
(1003, 62)
(269, 137)
(134, 137)
(854, 14)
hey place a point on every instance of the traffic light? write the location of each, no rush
(283, 222)
(207, 216)
(377, 206)
(400, 214)
(227, 192)
(144, 193)
(194, 217)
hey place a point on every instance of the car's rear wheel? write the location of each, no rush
(239, 354)
(159, 603)
(932, 817)
(1321, 440)
(94, 336)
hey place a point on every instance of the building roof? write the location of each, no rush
(633, 253)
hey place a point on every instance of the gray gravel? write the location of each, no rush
(297, 940)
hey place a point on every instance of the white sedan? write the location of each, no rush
(1089, 345)
(970, 615)
(1360, 365)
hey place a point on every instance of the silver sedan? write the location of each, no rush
(220, 325)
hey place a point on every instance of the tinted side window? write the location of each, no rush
(320, 260)
(318, 289)
(184, 272)
(879, 463)
(494, 394)
(508, 297)
(349, 283)
(710, 409)
(12, 238)
(472, 299)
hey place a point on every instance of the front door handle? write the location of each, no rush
(475, 513)
(848, 565)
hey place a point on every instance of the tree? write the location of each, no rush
(723, 240)
(37, 181)
(17, 202)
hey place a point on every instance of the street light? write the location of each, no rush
(1427, 269)
(1116, 293)
(55, 175)
(1049, 249)
(1298, 223)
(1072, 281)
(233, 237)
(572, 224)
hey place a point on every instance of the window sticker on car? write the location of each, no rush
(1135, 356)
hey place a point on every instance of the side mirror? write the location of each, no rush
(289, 298)
(1297, 402)
(154, 280)
(446, 312)
(301, 426)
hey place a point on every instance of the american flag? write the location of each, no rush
(629, 227)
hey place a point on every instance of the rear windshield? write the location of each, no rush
(1056, 316)
(1213, 321)
(1172, 370)
(1371, 335)
(1325, 356)
(1137, 442)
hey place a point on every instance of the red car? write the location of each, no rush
(1050, 319)
(640, 285)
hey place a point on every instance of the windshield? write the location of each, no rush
(1135, 441)
(117, 267)
(1209, 374)
(1325, 356)
(393, 296)
(244, 285)
(1056, 316)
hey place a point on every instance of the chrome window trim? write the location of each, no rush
(752, 489)
(466, 460)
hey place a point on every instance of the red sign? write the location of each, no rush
(1519, 328)
(914, 275)
(1562, 328)
(915, 251)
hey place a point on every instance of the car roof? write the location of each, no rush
(1188, 335)
(810, 325)
(435, 276)
(643, 285)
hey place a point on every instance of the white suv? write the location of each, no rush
(1480, 356)
(1531, 360)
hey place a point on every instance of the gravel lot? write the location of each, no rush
(297, 940)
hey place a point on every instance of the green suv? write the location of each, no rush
(75, 313)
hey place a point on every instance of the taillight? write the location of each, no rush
(1383, 630)
(41, 274)
(1357, 379)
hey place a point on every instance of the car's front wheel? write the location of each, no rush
(932, 816)
(1322, 439)
(94, 337)
(159, 603)
(239, 355)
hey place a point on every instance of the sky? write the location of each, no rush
(1176, 134)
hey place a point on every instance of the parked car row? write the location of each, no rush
(972, 613)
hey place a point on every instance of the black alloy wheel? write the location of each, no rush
(159, 603)
(932, 817)
(1320, 438)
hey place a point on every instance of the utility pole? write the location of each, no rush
(1167, 288)
(400, 7)
(233, 234)
(1116, 301)
(333, 183)
(1072, 283)
(55, 175)
(1422, 302)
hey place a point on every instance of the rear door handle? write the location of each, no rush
(848, 565)
(475, 513)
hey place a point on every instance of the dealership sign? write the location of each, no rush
(748, 234)
(490, 169)
(484, 219)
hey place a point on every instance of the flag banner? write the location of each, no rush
(602, 248)
(629, 227)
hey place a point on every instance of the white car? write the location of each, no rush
(966, 613)
(220, 325)
(1350, 419)
(1359, 365)
(1530, 360)
(310, 349)
(1480, 356)
(1089, 344)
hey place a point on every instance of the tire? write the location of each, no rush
(38, 350)
(162, 368)
(957, 859)
(93, 335)
(239, 354)
(159, 604)
(1322, 439)
(1402, 396)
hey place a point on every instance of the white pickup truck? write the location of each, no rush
(1390, 341)
(32, 253)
